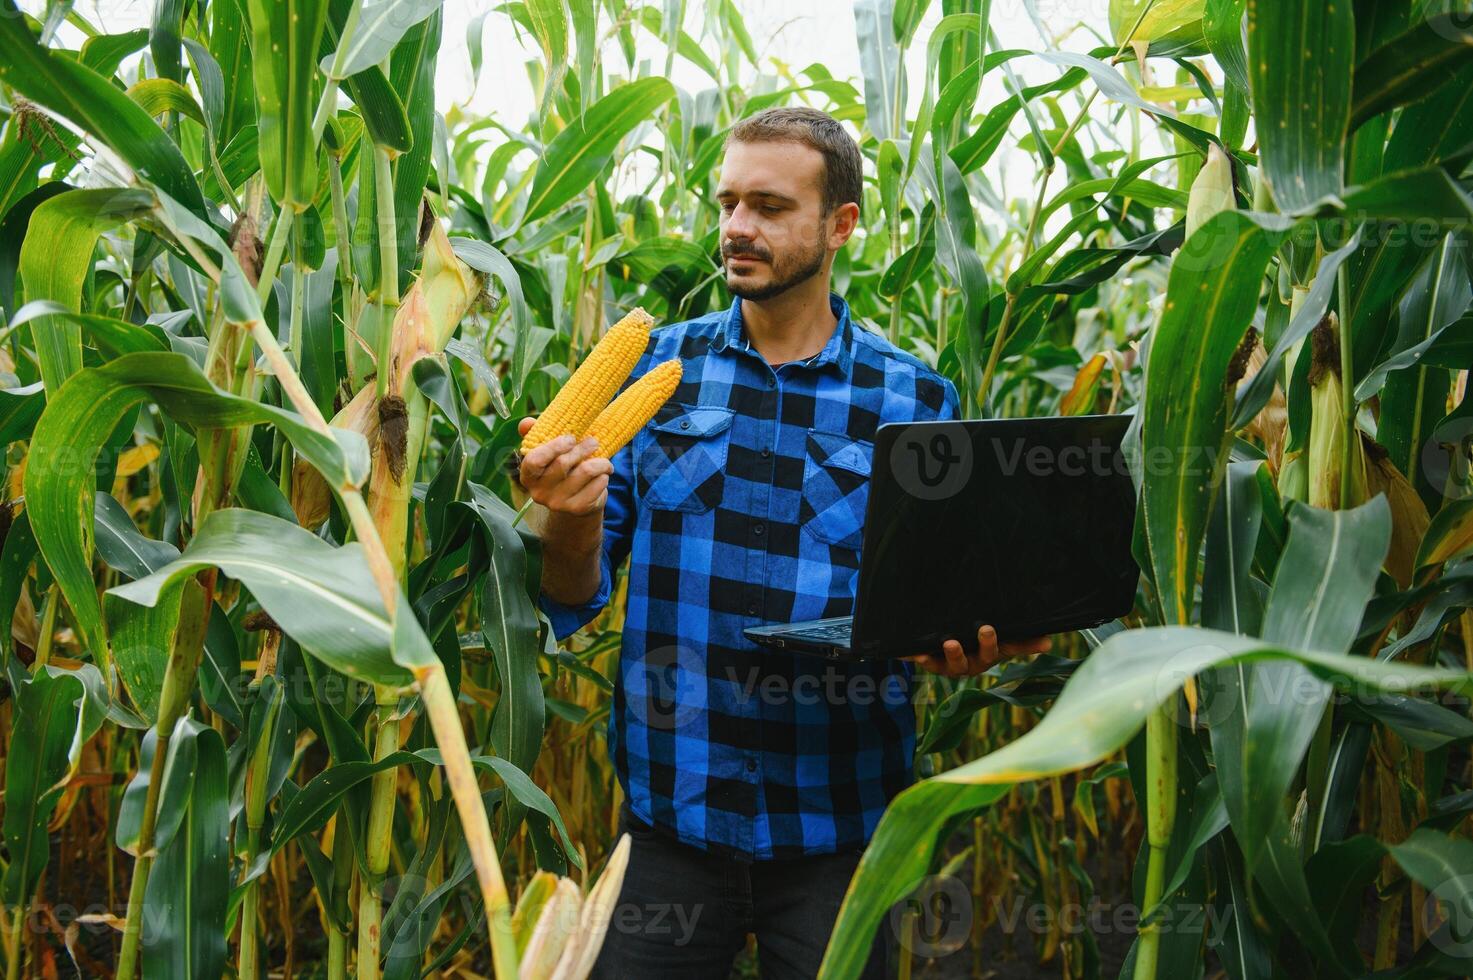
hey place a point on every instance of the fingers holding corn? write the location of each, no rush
(564, 474)
(564, 458)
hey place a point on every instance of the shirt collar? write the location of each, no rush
(837, 351)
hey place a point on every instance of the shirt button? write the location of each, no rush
(758, 528)
(771, 381)
(751, 609)
(685, 423)
(751, 765)
(766, 452)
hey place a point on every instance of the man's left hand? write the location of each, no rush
(953, 661)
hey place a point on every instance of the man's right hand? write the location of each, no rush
(564, 476)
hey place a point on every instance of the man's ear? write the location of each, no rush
(846, 220)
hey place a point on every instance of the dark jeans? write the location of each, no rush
(684, 913)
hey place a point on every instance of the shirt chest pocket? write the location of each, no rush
(836, 474)
(681, 461)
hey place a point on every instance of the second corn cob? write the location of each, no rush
(628, 413)
(594, 383)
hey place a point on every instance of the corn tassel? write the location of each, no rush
(633, 409)
(594, 383)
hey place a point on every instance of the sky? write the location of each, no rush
(797, 32)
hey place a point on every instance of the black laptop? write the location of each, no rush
(1025, 524)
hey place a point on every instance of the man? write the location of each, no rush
(753, 778)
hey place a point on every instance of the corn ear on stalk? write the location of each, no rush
(1294, 477)
(595, 381)
(1212, 191)
(629, 413)
(1329, 455)
(556, 928)
(535, 895)
(595, 916)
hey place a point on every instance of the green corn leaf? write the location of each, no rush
(1443, 865)
(230, 46)
(1154, 20)
(509, 623)
(103, 53)
(56, 712)
(94, 104)
(164, 39)
(413, 78)
(84, 412)
(323, 597)
(141, 637)
(1270, 710)
(19, 410)
(550, 26)
(1449, 536)
(56, 259)
(1102, 706)
(383, 111)
(211, 81)
(879, 62)
(1222, 24)
(1300, 57)
(579, 153)
(1411, 67)
(188, 892)
(160, 95)
(381, 25)
(1211, 297)
(311, 808)
(1230, 600)
(285, 35)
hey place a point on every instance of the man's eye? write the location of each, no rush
(771, 208)
(728, 207)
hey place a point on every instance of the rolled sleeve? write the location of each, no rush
(567, 620)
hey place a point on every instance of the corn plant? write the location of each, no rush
(1299, 566)
(289, 384)
(269, 607)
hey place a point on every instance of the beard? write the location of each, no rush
(786, 273)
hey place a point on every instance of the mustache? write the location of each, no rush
(731, 251)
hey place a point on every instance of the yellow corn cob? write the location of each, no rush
(628, 413)
(595, 381)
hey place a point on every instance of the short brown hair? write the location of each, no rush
(843, 179)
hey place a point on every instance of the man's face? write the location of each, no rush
(773, 233)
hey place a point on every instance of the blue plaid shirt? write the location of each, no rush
(742, 503)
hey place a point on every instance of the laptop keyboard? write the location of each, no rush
(834, 631)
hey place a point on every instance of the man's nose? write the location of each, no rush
(739, 224)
